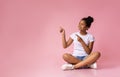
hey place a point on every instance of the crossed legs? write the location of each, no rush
(91, 58)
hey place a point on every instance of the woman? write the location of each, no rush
(83, 44)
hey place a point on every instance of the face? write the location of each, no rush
(82, 26)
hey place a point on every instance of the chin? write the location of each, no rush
(82, 30)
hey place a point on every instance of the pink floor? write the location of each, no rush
(53, 70)
(31, 62)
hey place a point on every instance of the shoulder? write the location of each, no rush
(73, 35)
(90, 35)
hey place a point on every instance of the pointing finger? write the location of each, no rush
(77, 35)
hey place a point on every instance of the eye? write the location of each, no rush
(82, 25)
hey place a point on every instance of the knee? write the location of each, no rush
(97, 54)
(66, 56)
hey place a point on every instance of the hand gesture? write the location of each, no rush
(79, 38)
(62, 30)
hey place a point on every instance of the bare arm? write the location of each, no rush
(88, 48)
(64, 42)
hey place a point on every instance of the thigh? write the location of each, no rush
(92, 57)
(70, 58)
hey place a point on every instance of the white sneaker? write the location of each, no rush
(67, 67)
(94, 65)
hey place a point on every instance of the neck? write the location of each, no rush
(83, 32)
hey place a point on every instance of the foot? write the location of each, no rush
(94, 65)
(67, 67)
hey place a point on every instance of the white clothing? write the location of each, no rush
(78, 49)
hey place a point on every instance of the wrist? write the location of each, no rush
(63, 34)
(80, 41)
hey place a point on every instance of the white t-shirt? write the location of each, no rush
(78, 49)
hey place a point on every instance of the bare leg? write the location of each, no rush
(93, 57)
(70, 59)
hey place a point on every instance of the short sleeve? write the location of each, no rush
(73, 36)
(91, 38)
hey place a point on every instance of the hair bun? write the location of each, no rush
(90, 19)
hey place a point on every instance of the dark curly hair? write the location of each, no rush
(88, 20)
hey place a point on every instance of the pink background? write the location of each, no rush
(30, 42)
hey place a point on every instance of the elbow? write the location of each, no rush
(89, 51)
(64, 47)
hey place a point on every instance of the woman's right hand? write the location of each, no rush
(62, 31)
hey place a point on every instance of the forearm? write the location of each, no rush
(64, 43)
(86, 48)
